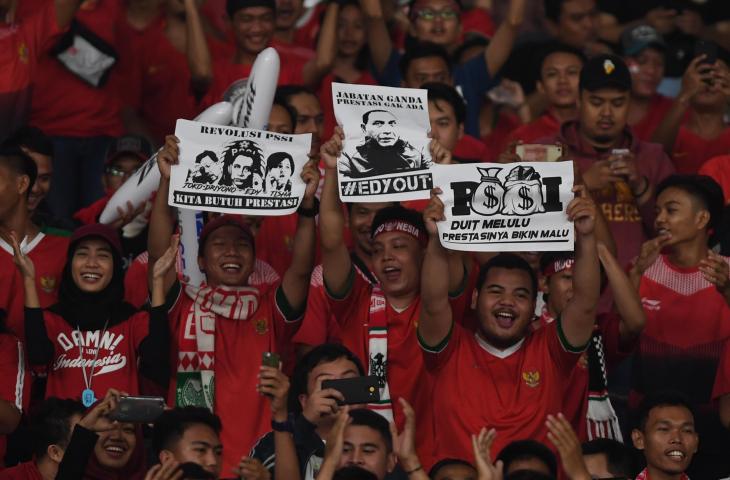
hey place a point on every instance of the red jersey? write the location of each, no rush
(21, 45)
(691, 150)
(15, 386)
(239, 346)
(659, 105)
(511, 390)
(113, 353)
(496, 141)
(48, 253)
(470, 149)
(22, 471)
(546, 125)
(65, 105)
(719, 169)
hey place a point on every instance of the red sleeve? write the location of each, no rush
(314, 328)
(15, 387)
(615, 352)
(41, 28)
(561, 351)
(345, 308)
(436, 356)
(139, 328)
(136, 289)
(722, 378)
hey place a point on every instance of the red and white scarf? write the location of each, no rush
(378, 351)
(644, 475)
(196, 340)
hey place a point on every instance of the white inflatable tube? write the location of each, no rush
(139, 187)
(250, 110)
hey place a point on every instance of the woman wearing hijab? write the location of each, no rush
(92, 340)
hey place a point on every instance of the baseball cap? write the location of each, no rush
(555, 262)
(105, 232)
(222, 221)
(605, 71)
(129, 144)
(232, 6)
(639, 37)
(398, 218)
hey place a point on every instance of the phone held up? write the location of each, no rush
(138, 409)
(356, 390)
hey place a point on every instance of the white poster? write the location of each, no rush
(238, 170)
(385, 155)
(503, 207)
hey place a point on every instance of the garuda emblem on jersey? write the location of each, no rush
(532, 379)
(48, 284)
(262, 326)
(377, 368)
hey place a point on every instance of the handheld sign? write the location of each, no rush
(491, 207)
(386, 154)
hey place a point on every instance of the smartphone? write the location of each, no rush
(709, 49)
(355, 390)
(270, 359)
(532, 152)
(193, 471)
(138, 409)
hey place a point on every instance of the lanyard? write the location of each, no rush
(87, 396)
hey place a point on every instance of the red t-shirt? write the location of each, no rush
(470, 149)
(116, 360)
(239, 346)
(48, 253)
(477, 20)
(22, 471)
(65, 105)
(691, 150)
(21, 45)
(496, 141)
(719, 169)
(659, 105)
(512, 391)
(546, 125)
(15, 384)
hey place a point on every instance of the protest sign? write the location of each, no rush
(493, 207)
(238, 170)
(385, 156)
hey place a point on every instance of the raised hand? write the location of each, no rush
(716, 271)
(434, 212)
(331, 150)
(252, 469)
(310, 176)
(650, 250)
(439, 153)
(482, 446)
(600, 175)
(22, 261)
(320, 404)
(168, 156)
(274, 384)
(97, 419)
(127, 214)
(561, 434)
(168, 260)
(404, 443)
(582, 211)
(167, 470)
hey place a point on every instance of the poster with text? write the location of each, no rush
(507, 207)
(238, 170)
(385, 155)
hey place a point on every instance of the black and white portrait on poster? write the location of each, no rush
(238, 170)
(385, 155)
(492, 207)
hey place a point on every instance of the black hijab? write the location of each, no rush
(90, 311)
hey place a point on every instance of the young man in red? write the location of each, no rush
(558, 83)
(17, 175)
(378, 322)
(619, 169)
(643, 50)
(22, 41)
(505, 376)
(225, 323)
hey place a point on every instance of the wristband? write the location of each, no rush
(410, 472)
(309, 212)
(285, 426)
(646, 188)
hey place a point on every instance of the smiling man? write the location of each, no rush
(666, 436)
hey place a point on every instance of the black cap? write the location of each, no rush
(605, 71)
(129, 144)
(232, 6)
(640, 37)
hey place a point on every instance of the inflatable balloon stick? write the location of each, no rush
(144, 181)
(250, 110)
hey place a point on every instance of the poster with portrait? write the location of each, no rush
(506, 207)
(385, 155)
(238, 170)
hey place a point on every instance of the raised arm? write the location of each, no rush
(199, 61)
(65, 11)
(625, 296)
(323, 61)
(295, 283)
(500, 46)
(436, 315)
(336, 263)
(579, 316)
(379, 42)
(162, 218)
(27, 271)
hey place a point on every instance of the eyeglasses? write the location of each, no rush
(429, 15)
(118, 172)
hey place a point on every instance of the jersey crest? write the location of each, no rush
(377, 368)
(532, 379)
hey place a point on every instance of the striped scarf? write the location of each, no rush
(378, 351)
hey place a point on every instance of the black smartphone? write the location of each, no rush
(138, 409)
(193, 471)
(709, 49)
(355, 390)
(270, 359)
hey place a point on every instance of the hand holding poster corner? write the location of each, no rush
(386, 154)
(501, 207)
(238, 170)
